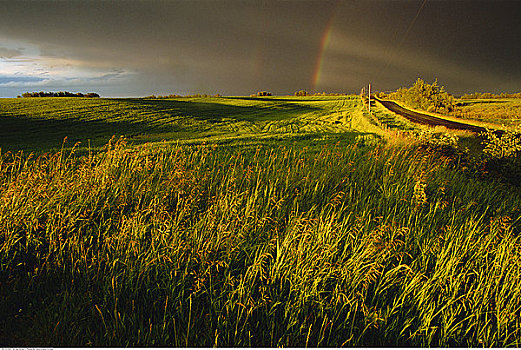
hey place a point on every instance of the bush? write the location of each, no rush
(445, 142)
(429, 97)
(502, 156)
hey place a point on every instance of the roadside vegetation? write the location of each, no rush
(497, 110)
(266, 221)
(429, 97)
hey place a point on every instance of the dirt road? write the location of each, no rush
(428, 119)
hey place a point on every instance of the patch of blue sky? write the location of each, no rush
(5, 79)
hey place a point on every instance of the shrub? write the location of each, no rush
(506, 145)
(445, 142)
(430, 97)
(502, 156)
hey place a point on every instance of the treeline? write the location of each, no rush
(261, 94)
(59, 94)
(487, 95)
(183, 96)
(429, 97)
(300, 93)
(305, 93)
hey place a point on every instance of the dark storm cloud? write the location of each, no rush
(240, 47)
(467, 45)
(9, 53)
(230, 47)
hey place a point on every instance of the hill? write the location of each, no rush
(42, 123)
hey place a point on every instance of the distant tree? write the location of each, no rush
(263, 93)
(301, 93)
(59, 94)
(488, 95)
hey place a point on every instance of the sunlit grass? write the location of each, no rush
(41, 124)
(506, 112)
(276, 221)
(203, 245)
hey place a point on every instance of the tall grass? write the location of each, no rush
(210, 245)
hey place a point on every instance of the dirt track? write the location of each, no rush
(428, 119)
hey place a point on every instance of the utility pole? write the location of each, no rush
(369, 98)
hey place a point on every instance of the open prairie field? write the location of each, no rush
(257, 222)
(41, 124)
(505, 112)
(371, 208)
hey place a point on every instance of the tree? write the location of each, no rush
(59, 94)
(430, 97)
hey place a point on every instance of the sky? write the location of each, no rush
(124, 48)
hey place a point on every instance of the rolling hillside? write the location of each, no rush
(43, 123)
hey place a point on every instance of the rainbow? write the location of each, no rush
(326, 36)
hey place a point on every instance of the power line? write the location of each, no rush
(397, 48)
(412, 23)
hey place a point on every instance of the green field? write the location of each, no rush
(40, 124)
(505, 112)
(256, 222)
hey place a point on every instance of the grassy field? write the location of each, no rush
(257, 222)
(505, 112)
(41, 124)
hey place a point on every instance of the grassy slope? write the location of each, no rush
(317, 241)
(42, 123)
